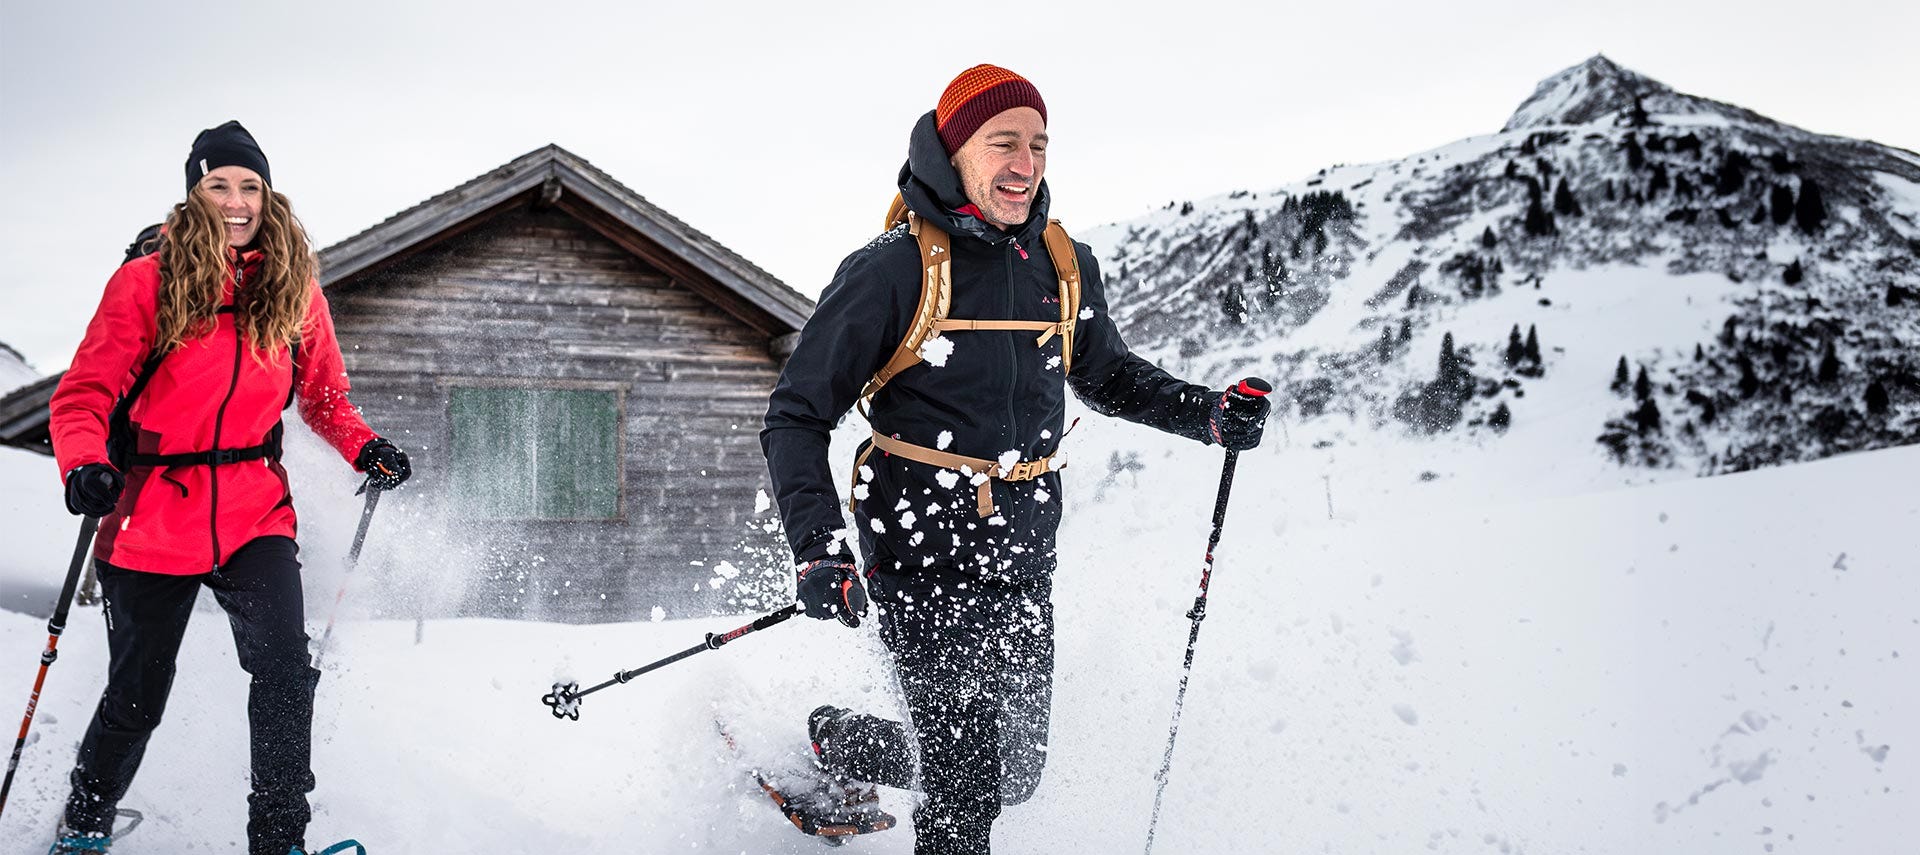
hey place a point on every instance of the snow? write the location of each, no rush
(936, 350)
(1653, 669)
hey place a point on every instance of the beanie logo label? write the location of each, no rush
(203, 167)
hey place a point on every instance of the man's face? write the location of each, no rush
(1001, 164)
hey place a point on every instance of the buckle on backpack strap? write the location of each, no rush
(223, 456)
(1026, 470)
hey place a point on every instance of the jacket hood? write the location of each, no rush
(931, 187)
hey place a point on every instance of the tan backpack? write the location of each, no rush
(930, 321)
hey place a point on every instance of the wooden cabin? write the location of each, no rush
(579, 379)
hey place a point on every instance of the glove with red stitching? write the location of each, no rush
(1237, 419)
(830, 588)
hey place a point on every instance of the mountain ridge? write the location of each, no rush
(1800, 248)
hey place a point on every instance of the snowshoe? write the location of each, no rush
(818, 803)
(66, 841)
(335, 849)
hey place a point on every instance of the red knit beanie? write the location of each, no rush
(979, 94)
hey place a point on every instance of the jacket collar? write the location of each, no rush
(931, 187)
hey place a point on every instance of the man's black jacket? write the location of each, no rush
(996, 392)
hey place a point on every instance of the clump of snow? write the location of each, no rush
(945, 439)
(760, 502)
(1040, 495)
(657, 615)
(947, 478)
(1009, 459)
(936, 350)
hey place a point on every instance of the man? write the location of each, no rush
(956, 501)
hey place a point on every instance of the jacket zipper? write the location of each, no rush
(219, 419)
(1013, 353)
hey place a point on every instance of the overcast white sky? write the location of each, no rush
(778, 127)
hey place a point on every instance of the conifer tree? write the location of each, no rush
(1563, 201)
(1620, 376)
(1659, 181)
(1642, 387)
(1449, 362)
(1829, 365)
(1637, 117)
(1501, 419)
(1539, 223)
(1532, 350)
(1810, 212)
(1647, 417)
(1699, 353)
(1877, 398)
(1515, 350)
(1749, 382)
(1781, 200)
(1636, 157)
(1793, 274)
(1406, 330)
(1487, 239)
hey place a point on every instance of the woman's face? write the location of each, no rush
(240, 195)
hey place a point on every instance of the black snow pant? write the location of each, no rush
(975, 662)
(259, 587)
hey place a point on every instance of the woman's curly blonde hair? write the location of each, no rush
(270, 310)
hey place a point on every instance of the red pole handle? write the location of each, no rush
(1253, 387)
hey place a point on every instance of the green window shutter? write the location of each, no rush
(535, 453)
(578, 446)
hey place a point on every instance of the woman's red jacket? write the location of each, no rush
(212, 392)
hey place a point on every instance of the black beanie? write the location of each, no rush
(227, 145)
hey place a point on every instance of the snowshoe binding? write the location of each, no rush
(67, 841)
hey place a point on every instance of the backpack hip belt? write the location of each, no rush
(1025, 470)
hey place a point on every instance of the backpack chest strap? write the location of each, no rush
(1047, 329)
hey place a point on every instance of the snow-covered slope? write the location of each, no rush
(1763, 278)
(1713, 665)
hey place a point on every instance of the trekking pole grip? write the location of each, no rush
(1252, 387)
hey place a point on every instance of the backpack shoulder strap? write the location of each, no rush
(936, 298)
(1066, 265)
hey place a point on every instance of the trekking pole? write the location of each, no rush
(565, 697)
(1252, 387)
(353, 560)
(55, 626)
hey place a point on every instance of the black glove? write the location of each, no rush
(1237, 420)
(94, 490)
(830, 588)
(385, 465)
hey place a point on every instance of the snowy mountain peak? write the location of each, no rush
(1600, 87)
(1585, 92)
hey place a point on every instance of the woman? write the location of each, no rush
(168, 426)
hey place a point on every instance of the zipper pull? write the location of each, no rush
(1021, 249)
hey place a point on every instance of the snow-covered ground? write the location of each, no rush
(1707, 665)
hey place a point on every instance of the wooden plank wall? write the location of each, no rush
(535, 298)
